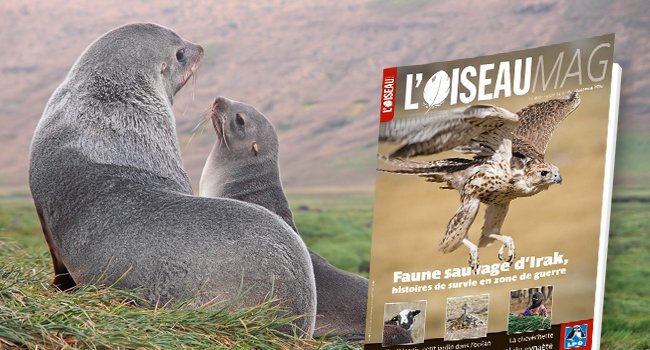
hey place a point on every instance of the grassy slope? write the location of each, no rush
(626, 315)
(632, 166)
(337, 226)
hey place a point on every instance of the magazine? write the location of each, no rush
(492, 200)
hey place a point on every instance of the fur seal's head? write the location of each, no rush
(242, 131)
(131, 60)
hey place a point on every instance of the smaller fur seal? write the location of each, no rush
(244, 165)
(115, 203)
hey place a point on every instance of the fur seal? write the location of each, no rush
(244, 165)
(115, 203)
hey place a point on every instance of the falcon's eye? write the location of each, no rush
(543, 173)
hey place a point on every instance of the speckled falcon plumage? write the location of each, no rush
(508, 161)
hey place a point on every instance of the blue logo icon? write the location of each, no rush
(575, 337)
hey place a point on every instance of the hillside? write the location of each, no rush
(313, 69)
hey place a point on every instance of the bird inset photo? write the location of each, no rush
(530, 309)
(467, 317)
(404, 323)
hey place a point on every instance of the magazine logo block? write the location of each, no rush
(387, 109)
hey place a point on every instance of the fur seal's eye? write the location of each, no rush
(543, 173)
(180, 54)
(239, 119)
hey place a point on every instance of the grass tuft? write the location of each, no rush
(35, 315)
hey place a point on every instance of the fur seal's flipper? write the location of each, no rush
(235, 170)
(62, 278)
(116, 205)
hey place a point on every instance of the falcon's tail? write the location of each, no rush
(433, 171)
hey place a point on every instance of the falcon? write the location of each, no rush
(508, 162)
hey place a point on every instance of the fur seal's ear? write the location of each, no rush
(163, 68)
(255, 148)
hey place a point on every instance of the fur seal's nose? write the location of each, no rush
(220, 102)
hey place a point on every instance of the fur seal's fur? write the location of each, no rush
(115, 202)
(244, 165)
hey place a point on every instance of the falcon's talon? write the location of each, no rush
(474, 264)
(508, 243)
(473, 255)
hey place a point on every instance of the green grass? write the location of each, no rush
(337, 227)
(632, 148)
(19, 222)
(527, 323)
(632, 169)
(626, 314)
(34, 315)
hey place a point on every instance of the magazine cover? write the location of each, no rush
(492, 200)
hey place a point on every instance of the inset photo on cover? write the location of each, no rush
(404, 323)
(530, 309)
(467, 317)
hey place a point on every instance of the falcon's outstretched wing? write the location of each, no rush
(537, 123)
(441, 170)
(478, 129)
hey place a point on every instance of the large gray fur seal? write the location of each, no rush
(115, 203)
(244, 165)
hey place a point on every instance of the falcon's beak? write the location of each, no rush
(557, 179)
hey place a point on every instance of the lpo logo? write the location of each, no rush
(576, 336)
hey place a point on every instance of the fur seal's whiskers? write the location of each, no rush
(194, 78)
(221, 128)
(223, 136)
(192, 75)
(204, 116)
